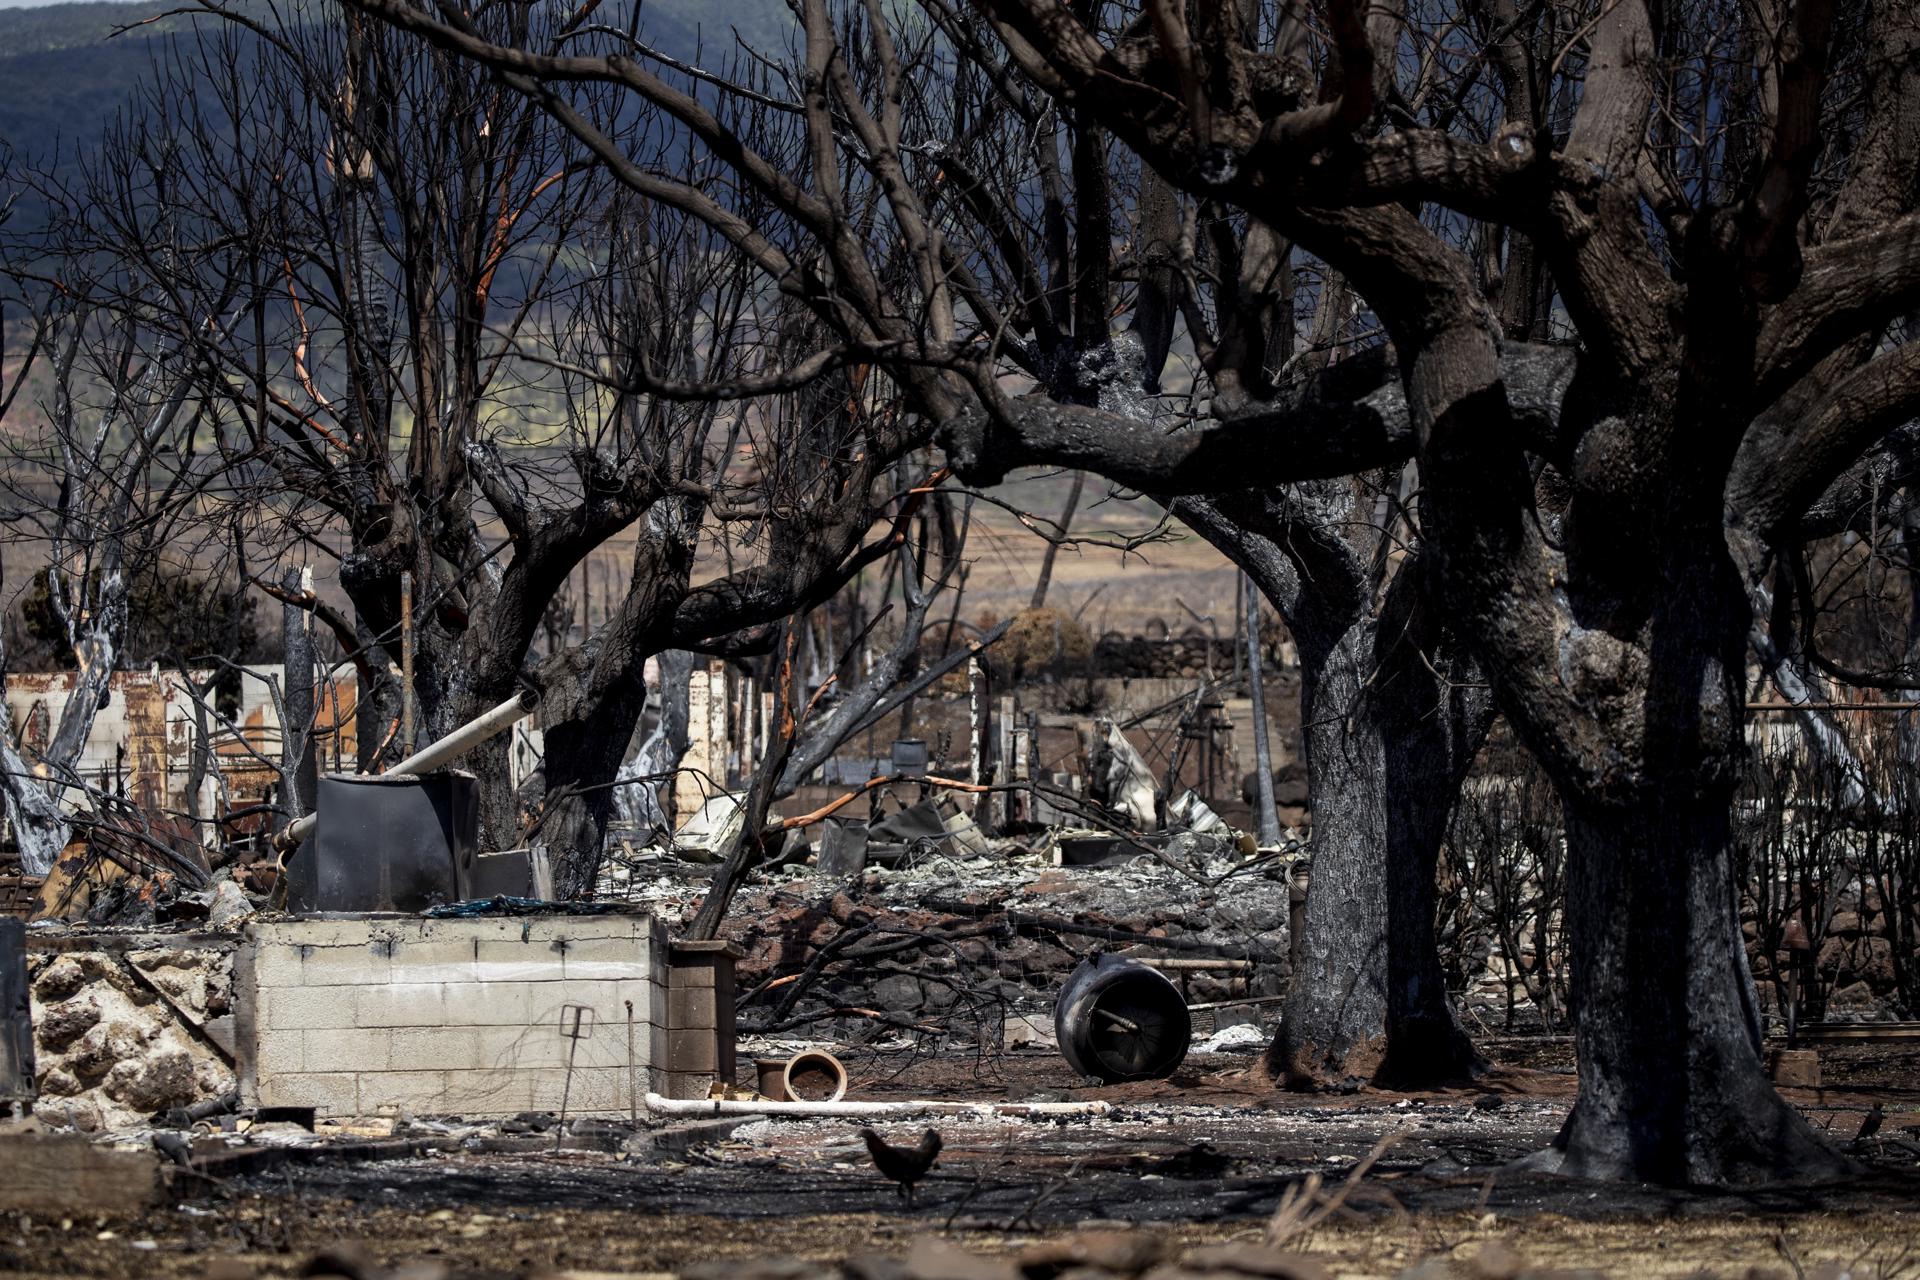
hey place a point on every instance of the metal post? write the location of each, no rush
(1266, 820)
(406, 661)
(299, 761)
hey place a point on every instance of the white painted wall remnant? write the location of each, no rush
(141, 743)
(475, 1018)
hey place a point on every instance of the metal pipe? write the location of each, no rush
(470, 735)
(406, 660)
(435, 754)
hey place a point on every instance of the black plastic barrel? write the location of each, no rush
(1118, 1019)
(394, 842)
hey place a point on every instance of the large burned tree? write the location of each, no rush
(1709, 204)
(945, 220)
(1729, 267)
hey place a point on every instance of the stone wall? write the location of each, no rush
(126, 1026)
(356, 1016)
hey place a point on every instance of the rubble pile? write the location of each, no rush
(964, 946)
(121, 1036)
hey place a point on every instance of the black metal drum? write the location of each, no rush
(1118, 1019)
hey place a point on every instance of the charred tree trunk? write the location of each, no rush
(594, 696)
(584, 751)
(1673, 1089)
(1388, 741)
(1385, 759)
(1672, 1086)
(376, 709)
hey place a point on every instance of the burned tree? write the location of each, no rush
(103, 476)
(967, 227)
(1731, 304)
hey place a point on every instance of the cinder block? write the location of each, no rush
(348, 1049)
(595, 1090)
(421, 1092)
(278, 1053)
(605, 957)
(689, 1008)
(607, 998)
(518, 1048)
(609, 1047)
(346, 932)
(470, 1093)
(345, 967)
(437, 973)
(692, 1051)
(437, 953)
(306, 1008)
(657, 1052)
(277, 965)
(649, 1003)
(433, 1048)
(684, 976)
(488, 1004)
(329, 1093)
(604, 971)
(399, 1004)
(688, 1084)
(569, 928)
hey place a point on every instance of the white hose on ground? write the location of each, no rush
(729, 1107)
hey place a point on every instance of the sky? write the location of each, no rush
(27, 4)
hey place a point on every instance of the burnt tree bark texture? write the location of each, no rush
(1393, 715)
(1592, 544)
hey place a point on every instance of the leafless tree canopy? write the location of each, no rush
(1546, 357)
(1629, 269)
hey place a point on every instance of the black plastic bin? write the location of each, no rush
(395, 842)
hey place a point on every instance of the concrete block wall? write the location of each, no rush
(360, 1015)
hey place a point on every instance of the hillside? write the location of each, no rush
(64, 73)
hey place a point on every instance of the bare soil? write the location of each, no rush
(1204, 1157)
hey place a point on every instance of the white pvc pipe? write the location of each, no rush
(729, 1107)
(468, 736)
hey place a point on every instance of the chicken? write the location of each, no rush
(904, 1165)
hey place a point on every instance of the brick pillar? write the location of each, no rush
(700, 995)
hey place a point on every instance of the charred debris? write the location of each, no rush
(366, 978)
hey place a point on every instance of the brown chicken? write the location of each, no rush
(904, 1165)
